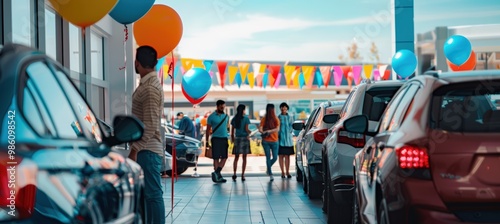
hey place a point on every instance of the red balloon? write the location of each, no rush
(190, 99)
(469, 65)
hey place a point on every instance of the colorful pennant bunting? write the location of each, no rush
(337, 75)
(307, 71)
(221, 65)
(382, 69)
(265, 79)
(232, 70)
(368, 69)
(325, 73)
(288, 74)
(243, 70)
(278, 80)
(251, 80)
(208, 64)
(356, 73)
(319, 78)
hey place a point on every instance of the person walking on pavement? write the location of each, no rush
(269, 127)
(186, 126)
(285, 141)
(147, 106)
(217, 125)
(240, 139)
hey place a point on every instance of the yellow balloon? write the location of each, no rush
(83, 13)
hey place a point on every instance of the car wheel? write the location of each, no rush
(326, 189)
(383, 217)
(313, 188)
(355, 209)
(298, 173)
(180, 170)
(336, 212)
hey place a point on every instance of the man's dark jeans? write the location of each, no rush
(153, 194)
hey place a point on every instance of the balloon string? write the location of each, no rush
(124, 48)
(174, 155)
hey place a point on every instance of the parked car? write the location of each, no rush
(54, 156)
(435, 158)
(369, 99)
(187, 150)
(308, 147)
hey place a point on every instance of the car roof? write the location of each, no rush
(469, 76)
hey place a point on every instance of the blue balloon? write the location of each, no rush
(196, 82)
(129, 11)
(404, 63)
(457, 49)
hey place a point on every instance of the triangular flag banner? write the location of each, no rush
(278, 80)
(307, 71)
(259, 80)
(274, 70)
(302, 80)
(337, 75)
(187, 64)
(232, 70)
(165, 69)
(368, 69)
(243, 70)
(319, 78)
(197, 63)
(258, 69)
(251, 80)
(345, 70)
(265, 79)
(208, 64)
(387, 74)
(159, 64)
(382, 69)
(238, 79)
(221, 65)
(295, 76)
(376, 75)
(288, 74)
(356, 73)
(325, 73)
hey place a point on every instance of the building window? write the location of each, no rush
(97, 55)
(75, 49)
(23, 22)
(50, 34)
(98, 101)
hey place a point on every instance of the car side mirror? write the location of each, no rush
(331, 118)
(298, 125)
(127, 129)
(357, 124)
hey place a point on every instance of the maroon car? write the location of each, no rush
(436, 157)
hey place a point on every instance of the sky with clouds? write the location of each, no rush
(313, 30)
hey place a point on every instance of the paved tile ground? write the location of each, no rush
(257, 200)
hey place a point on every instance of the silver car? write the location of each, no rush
(309, 145)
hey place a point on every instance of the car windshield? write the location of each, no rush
(470, 107)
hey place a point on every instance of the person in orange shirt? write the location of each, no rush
(269, 127)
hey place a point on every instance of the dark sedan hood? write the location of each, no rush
(182, 138)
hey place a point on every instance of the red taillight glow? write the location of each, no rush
(412, 157)
(353, 139)
(320, 135)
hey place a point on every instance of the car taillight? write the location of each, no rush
(353, 139)
(320, 135)
(412, 157)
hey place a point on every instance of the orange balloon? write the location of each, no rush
(160, 28)
(83, 13)
(469, 65)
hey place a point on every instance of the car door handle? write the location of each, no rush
(381, 146)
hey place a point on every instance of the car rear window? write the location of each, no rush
(376, 101)
(467, 107)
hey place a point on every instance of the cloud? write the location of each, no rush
(456, 15)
